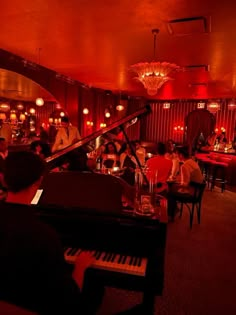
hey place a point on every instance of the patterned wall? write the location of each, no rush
(159, 125)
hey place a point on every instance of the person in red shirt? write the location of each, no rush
(159, 168)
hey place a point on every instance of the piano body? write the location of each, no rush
(129, 250)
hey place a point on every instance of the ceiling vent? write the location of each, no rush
(197, 68)
(197, 84)
(188, 26)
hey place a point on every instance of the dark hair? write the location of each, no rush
(65, 119)
(22, 169)
(2, 139)
(161, 148)
(106, 151)
(184, 150)
(78, 161)
(34, 145)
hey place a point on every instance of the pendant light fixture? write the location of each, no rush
(39, 100)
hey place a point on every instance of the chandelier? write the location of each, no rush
(153, 74)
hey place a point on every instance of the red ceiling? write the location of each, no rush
(95, 42)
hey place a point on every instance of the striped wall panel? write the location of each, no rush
(161, 122)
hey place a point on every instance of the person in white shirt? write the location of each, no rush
(66, 135)
(190, 172)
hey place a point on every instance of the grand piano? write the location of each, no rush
(129, 250)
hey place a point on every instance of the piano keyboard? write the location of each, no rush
(111, 261)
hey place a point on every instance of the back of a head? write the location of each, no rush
(161, 148)
(65, 119)
(184, 150)
(22, 169)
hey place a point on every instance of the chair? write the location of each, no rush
(192, 201)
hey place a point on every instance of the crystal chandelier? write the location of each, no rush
(153, 74)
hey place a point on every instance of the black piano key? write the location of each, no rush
(135, 261)
(120, 258)
(108, 257)
(105, 257)
(113, 257)
(131, 261)
(98, 255)
(124, 259)
(139, 261)
(72, 253)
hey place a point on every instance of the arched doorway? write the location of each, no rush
(198, 122)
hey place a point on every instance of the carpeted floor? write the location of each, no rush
(200, 267)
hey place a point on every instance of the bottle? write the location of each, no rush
(98, 163)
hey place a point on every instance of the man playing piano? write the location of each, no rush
(33, 272)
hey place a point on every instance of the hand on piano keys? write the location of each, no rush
(110, 261)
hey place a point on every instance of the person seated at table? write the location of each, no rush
(110, 157)
(159, 168)
(129, 163)
(40, 148)
(189, 172)
(33, 272)
(140, 152)
(172, 155)
(222, 138)
(210, 141)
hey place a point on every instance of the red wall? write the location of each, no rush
(159, 125)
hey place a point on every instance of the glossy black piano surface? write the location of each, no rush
(121, 233)
(82, 190)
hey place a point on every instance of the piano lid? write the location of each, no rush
(123, 122)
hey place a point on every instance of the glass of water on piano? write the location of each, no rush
(145, 193)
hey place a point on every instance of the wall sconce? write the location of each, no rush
(85, 111)
(13, 115)
(39, 101)
(20, 106)
(103, 125)
(89, 123)
(178, 128)
(119, 107)
(32, 111)
(50, 120)
(22, 117)
(222, 129)
(4, 107)
(62, 114)
(107, 113)
(232, 105)
(166, 105)
(213, 106)
(58, 106)
(3, 116)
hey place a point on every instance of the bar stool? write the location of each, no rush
(218, 174)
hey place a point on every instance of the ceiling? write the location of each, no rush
(95, 42)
